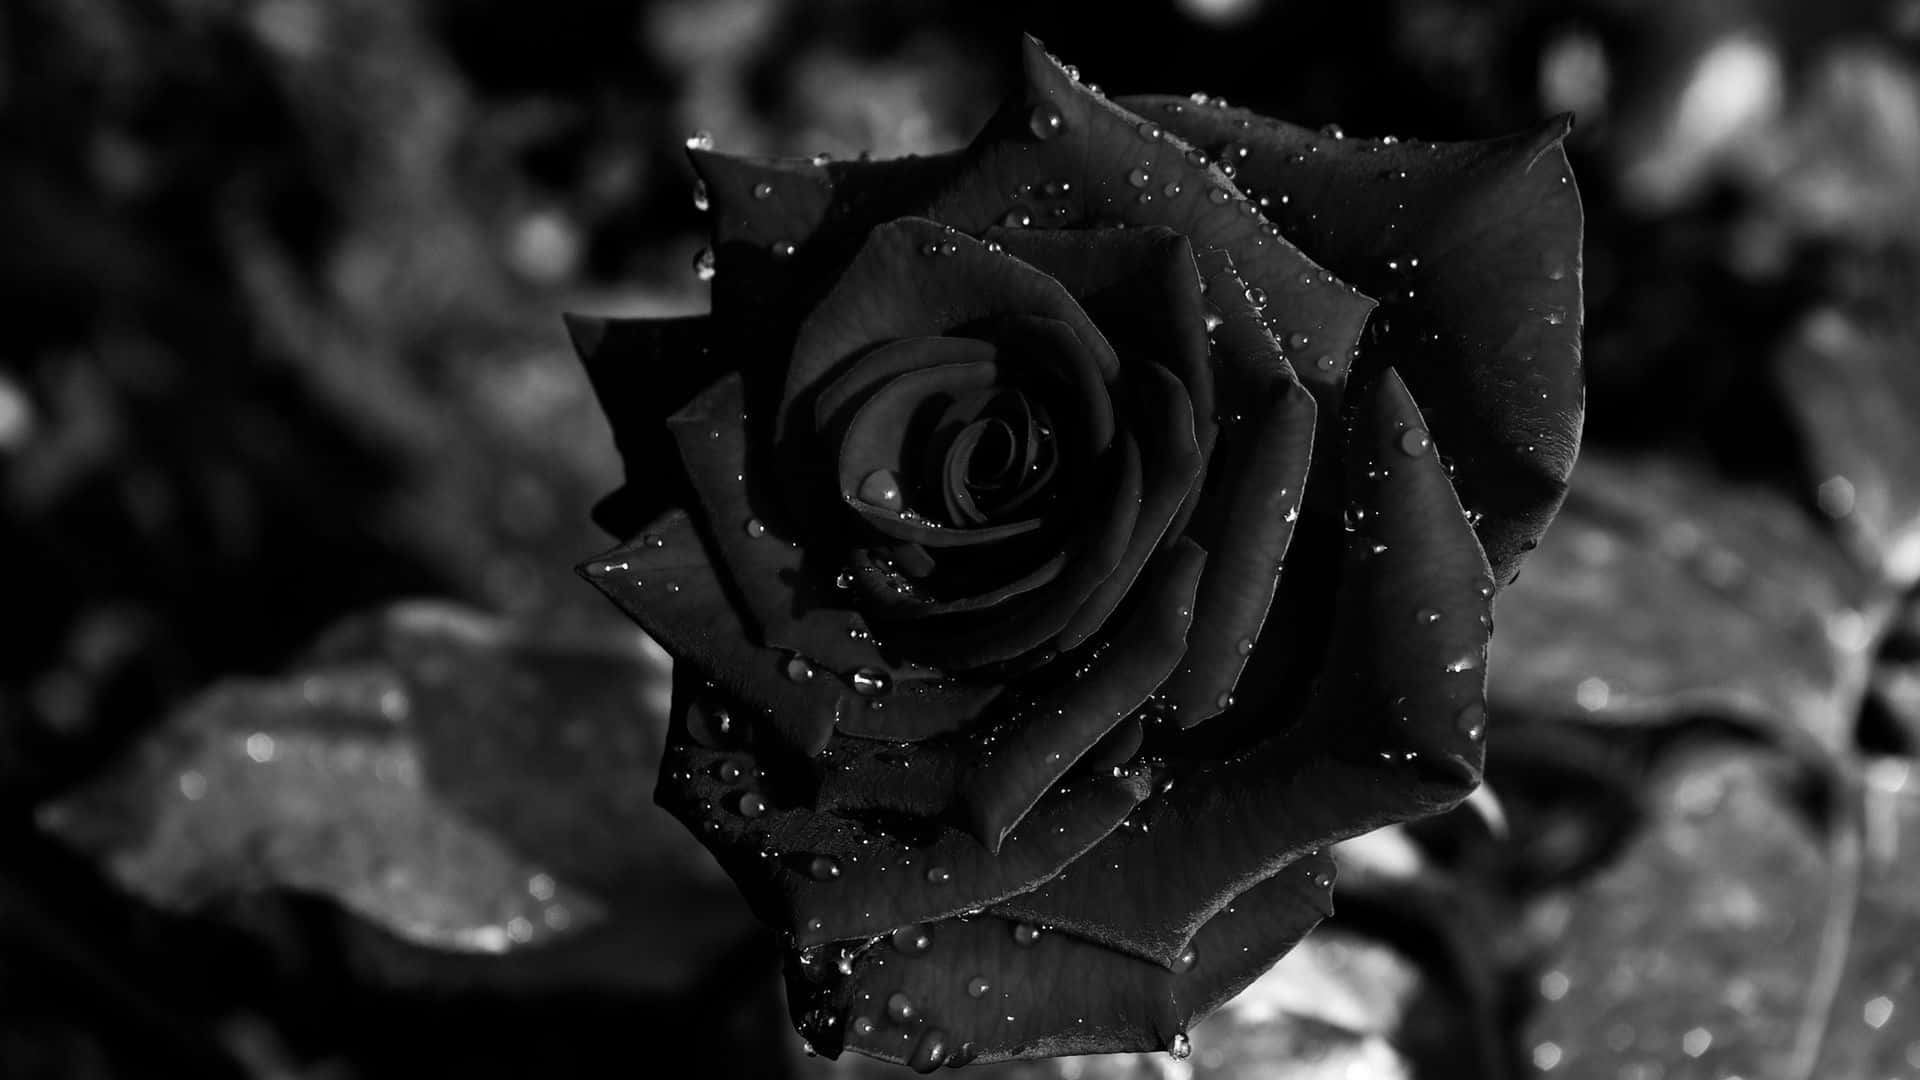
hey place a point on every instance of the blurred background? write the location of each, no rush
(316, 760)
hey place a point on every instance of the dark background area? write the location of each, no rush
(282, 285)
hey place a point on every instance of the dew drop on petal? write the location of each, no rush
(800, 669)
(870, 682)
(1185, 961)
(728, 772)
(752, 805)
(756, 528)
(700, 200)
(1025, 933)
(1044, 121)
(1017, 218)
(700, 140)
(881, 488)
(1149, 131)
(930, 1052)
(1464, 663)
(912, 940)
(1245, 647)
(1299, 340)
(1139, 178)
(783, 249)
(1414, 441)
(1471, 720)
(1218, 196)
(1326, 363)
(1181, 1048)
(938, 875)
(844, 580)
(703, 264)
(823, 868)
(978, 986)
(1427, 616)
(763, 190)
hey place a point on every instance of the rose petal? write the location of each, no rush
(642, 370)
(900, 285)
(1246, 518)
(1393, 732)
(1104, 155)
(989, 989)
(1040, 741)
(1474, 251)
(829, 874)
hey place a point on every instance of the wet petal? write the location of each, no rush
(1474, 252)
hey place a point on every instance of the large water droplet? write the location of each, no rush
(1025, 933)
(938, 875)
(700, 140)
(1244, 647)
(700, 200)
(1218, 196)
(913, 940)
(756, 528)
(978, 986)
(900, 1007)
(1185, 961)
(1139, 178)
(823, 868)
(1427, 616)
(881, 488)
(930, 1052)
(728, 772)
(1044, 121)
(1299, 339)
(703, 264)
(844, 580)
(1413, 442)
(800, 669)
(752, 805)
(783, 250)
(1181, 1048)
(1471, 720)
(1149, 131)
(763, 190)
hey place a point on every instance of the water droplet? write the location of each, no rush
(1323, 878)
(1556, 317)
(1299, 340)
(913, 940)
(844, 580)
(882, 489)
(1257, 296)
(1044, 121)
(1224, 701)
(930, 1052)
(1181, 1048)
(1017, 218)
(763, 190)
(1326, 363)
(1139, 178)
(752, 805)
(978, 986)
(700, 140)
(703, 264)
(1149, 131)
(1218, 196)
(1414, 441)
(700, 200)
(1464, 663)
(823, 868)
(1471, 720)
(1245, 647)
(755, 528)
(727, 772)
(821, 159)
(800, 669)
(1172, 189)
(1484, 590)
(938, 875)
(783, 249)
(863, 1025)
(1185, 961)
(994, 246)
(1333, 131)
(1427, 616)
(900, 1008)
(1025, 933)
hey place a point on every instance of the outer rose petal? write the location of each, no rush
(1474, 252)
(989, 989)
(1393, 732)
(826, 875)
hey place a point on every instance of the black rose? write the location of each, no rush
(993, 474)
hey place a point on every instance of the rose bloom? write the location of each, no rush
(1062, 541)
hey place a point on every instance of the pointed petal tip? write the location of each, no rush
(586, 332)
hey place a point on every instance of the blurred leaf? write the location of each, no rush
(1730, 940)
(458, 782)
(1854, 389)
(1663, 593)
